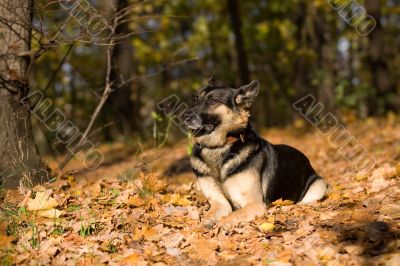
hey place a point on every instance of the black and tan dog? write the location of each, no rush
(239, 172)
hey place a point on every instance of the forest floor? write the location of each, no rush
(129, 212)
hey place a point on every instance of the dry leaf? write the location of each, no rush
(267, 227)
(281, 202)
(176, 199)
(42, 201)
(5, 241)
(136, 201)
(392, 210)
(147, 233)
(52, 213)
(379, 184)
(131, 259)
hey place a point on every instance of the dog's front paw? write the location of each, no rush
(213, 216)
(230, 221)
(209, 220)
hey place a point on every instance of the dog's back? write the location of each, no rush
(292, 174)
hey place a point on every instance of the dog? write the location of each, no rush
(239, 172)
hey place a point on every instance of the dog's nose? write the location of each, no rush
(188, 115)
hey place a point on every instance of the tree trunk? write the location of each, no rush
(120, 105)
(380, 77)
(20, 162)
(236, 22)
(327, 53)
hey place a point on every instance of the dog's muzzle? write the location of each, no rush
(195, 124)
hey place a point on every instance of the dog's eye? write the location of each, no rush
(212, 101)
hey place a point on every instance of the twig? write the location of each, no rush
(59, 67)
(106, 93)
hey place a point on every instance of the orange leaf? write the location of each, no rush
(131, 259)
(136, 201)
(281, 202)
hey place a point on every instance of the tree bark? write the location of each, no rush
(243, 65)
(120, 105)
(380, 77)
(20, 163)
(327, 56)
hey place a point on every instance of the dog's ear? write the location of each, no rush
(212, 81)
(246, 94)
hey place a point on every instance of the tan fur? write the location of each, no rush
(220, 206)
(200, 166)
(230, 121)
(244, 188)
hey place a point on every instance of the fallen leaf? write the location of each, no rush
(174, 251)
(136, 201)
(150, 233)
(392, 210)
(281, 202)
(267, 227)
(5, 241)
(131, 259)
(177, 200)
(385, 171)
(52, 213)
(42, 201)
(378, 184)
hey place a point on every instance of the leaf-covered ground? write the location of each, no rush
(129, 213)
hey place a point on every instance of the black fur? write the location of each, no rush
(286, 170)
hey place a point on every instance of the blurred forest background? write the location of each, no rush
(293, 47)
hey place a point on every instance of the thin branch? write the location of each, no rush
(106, 93)
(59, 67)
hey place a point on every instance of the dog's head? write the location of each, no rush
(218, 111)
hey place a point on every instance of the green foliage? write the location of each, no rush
(111, 248)
(58, 230)
(34, 241)
(87, 229)
(6, 259)
(73, 207)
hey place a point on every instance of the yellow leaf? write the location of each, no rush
(70, 178)
(267, 227)
(281, 202)
(136, 201)
(176, 199)
(52, 213)
(42, 201)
